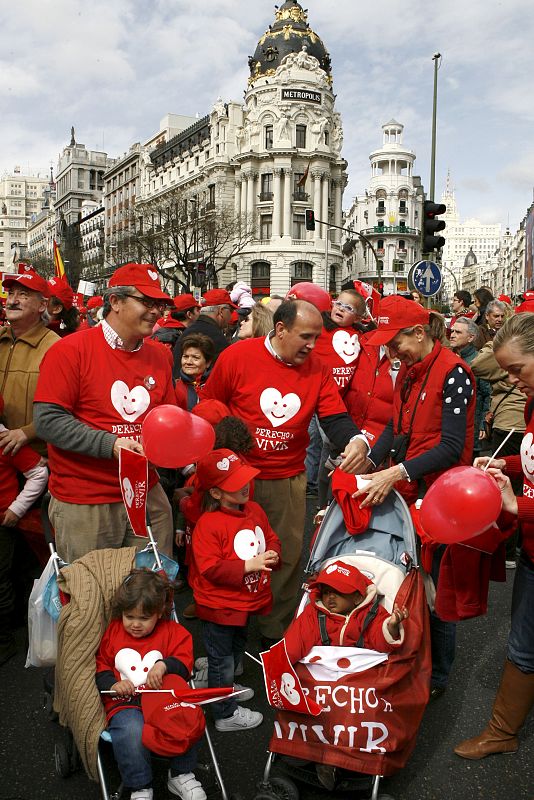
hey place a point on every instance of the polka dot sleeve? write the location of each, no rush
(457, 392)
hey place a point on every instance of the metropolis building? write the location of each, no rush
(268, 159)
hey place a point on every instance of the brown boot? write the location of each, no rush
(190, 611)
(511, 706)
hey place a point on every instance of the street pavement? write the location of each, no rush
(433, 773)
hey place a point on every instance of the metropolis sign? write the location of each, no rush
(301, 94)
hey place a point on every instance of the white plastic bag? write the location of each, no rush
(42, 629)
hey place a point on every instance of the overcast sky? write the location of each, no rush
(114, 68)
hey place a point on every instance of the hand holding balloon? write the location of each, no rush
(509, 500)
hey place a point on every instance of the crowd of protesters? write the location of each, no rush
(373, 385)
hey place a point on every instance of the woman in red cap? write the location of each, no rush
(431, 430)
(64, 316)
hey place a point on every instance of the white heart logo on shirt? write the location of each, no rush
(128, 491)
(279, 409)
(527, 456)
(248, 543)
(152, 274)
(346, 346)
(223, 465)
(287, 688)
(132, 667)
(130, 403)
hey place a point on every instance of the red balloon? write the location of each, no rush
(172, 437)
(460, 504)
(314, 294)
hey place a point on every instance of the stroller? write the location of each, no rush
(84, 589)
(372, 705)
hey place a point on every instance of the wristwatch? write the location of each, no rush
(404, 472)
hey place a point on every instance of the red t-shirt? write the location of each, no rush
(339, 350)
(277, 401)
(108, 390)
(10, 467)
(223, 540)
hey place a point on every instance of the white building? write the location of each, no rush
(42, 228)
(21, 200)
(460, 238)
(388, 215)
(92, 239)
(268, 159)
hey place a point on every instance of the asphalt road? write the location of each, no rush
(433, 773)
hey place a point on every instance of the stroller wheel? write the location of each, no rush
(265, 795)
(284, 788)
(62, 760)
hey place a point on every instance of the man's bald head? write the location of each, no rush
(297, 326)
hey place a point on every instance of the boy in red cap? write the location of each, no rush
(345, 604)
(234, 552)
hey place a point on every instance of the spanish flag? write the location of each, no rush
(59, 267)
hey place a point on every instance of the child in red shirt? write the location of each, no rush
(234, 552)
(138, 648)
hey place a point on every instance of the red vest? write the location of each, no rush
(426, 428)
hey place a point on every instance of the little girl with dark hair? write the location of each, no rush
(141, 645)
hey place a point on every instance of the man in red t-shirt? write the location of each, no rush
(94, 390)
(275, 385)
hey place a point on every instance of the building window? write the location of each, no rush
(299, 226)
(301, 271)
(260, 275)
(268, 137)
(266, 186)
(266, 226)
(300, 136)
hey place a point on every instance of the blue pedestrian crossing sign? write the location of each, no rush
(426, 277)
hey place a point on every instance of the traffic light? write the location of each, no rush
(431, 225)
(310, 219)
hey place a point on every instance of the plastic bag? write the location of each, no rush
(42, 629)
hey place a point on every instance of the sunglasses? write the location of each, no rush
(149, 302)
(345, 307)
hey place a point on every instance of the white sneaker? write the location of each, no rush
(200, 677)
(510, 564)
(248, 693)
(142, 794)
(202, 663)
(242, 719)
(186, 786)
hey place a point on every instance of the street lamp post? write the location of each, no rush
(326, 269)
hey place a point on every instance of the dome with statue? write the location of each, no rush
(290, 33)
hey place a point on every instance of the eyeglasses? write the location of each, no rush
(148, 302)
(345, 307)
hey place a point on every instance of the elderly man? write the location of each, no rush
(22, 346)
(494, 319)
(94, 391)
(275, 385)
(214, 317)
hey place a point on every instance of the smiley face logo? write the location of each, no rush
(346, 346)
(132, 667)
(248, 543)
(130, 403)
(527, 456)
(279, 408)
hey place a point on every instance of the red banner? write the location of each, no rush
(284, 690)
(133, 477)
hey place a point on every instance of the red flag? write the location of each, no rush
(133, 477)
(302, 182)
(59, 267)
(284, 690)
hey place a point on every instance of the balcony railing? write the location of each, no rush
(390, 229)
(403, 210)
(380, 210)
(300, 195)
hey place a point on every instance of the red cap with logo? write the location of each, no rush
(223, 469)
(505, 299)
(183, 302)
(217, 297)
(59, 288)
(97, 301)
(344, 578)
(144, 277)
(397, 313)
(30, 280)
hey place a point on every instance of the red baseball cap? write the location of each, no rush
(343, 578)
(30, 279)
(183, 302)
(217, 297)
(213, 411)
(397, 313)
(224, 470)
(505, 299)
(97, 301)
(144, 277)
(59, 288)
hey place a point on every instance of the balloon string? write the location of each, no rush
(500, 447)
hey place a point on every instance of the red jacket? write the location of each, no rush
(369, 397)
(222, 542)
(432, 371)
(523, 464)
(342, 630)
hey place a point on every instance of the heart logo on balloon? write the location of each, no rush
(277, 408)
(248, 543)
(527, 456)
(346, 346)
(130, 403)
(287, 689)
(223, 465)
(132, 667)
(152, 274)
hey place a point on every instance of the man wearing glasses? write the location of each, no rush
(94, 390)
(213, 319)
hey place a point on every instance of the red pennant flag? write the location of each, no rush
(284, 690)
(133, 477)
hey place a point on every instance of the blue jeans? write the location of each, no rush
(225, 647)
(442, 635)
(521, 637)
(133, 758)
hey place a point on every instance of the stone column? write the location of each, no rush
(287, 202)
(337, 187)
(317, 177)
(244, 209)
(251, 182)
(277, 201)
(237, 197)
(324, 211)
